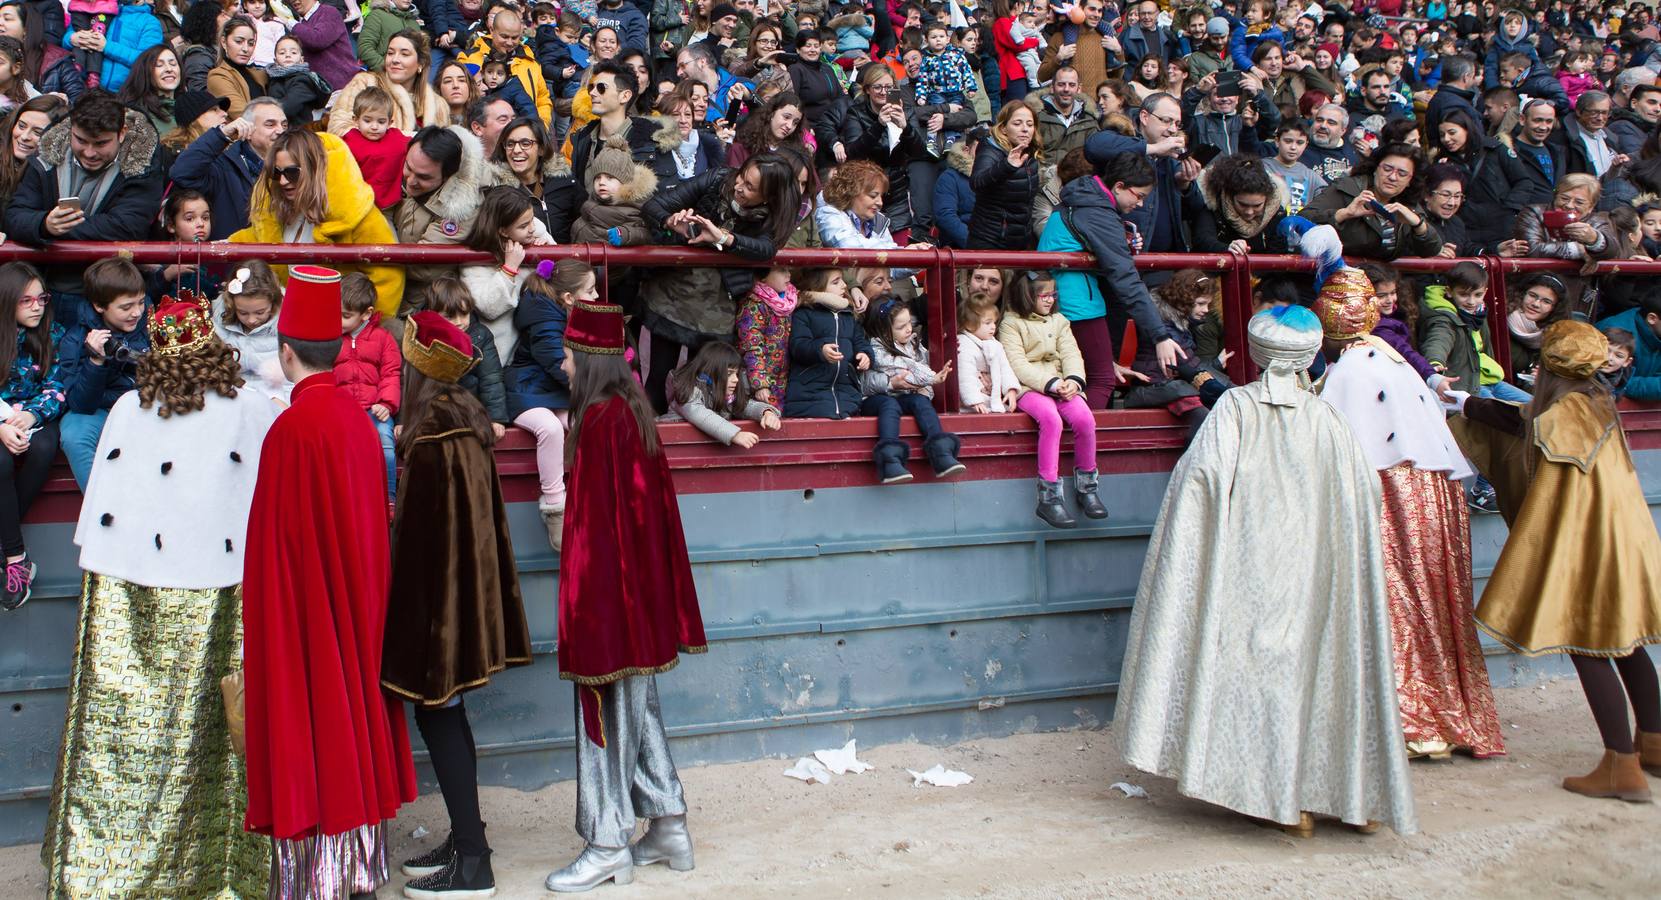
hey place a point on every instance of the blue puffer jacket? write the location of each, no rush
(954, 200)
(134, 30)
(534, 380)
(820, 389)
(30, 390)
(90, 388)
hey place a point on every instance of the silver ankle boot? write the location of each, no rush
(665, 840)
(594, 867)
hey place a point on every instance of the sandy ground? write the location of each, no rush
(1041, 821)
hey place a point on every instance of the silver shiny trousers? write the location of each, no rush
(330, 866)
(632, 776)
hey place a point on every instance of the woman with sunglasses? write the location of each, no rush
(31, 386)
(311, 193)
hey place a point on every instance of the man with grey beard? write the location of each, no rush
(1329, 151)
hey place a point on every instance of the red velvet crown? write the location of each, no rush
(595, 328)
(179, 325)
(311, 304)
(436, 348)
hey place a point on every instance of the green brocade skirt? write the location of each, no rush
(149, 797)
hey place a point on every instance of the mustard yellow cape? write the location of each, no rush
(1581, 570)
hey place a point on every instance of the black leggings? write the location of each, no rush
(1609, 702)
(455, 761)
(21, 479)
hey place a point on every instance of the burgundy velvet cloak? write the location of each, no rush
(627, 604)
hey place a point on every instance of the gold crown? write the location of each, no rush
(437, 360)
(179, 326)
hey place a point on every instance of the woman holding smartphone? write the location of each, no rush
(1378, 208)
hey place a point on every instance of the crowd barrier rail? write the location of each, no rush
(936, 266)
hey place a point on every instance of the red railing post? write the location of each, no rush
(1237, 309)
(1497, 302)
(942, 300)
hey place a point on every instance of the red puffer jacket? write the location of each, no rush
(369, 367)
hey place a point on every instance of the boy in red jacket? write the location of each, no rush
(369, 367)
(377, 146)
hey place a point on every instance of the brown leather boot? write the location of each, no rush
(1649, 752)
(1618, 775)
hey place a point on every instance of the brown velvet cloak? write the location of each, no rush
(455, 617)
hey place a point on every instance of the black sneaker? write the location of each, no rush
(1484, 500)
(20, 578)
(431, 861)
(461, 877)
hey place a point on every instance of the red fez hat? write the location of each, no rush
(311, 304)
(595, 328)
(177, 326)
(436, 348)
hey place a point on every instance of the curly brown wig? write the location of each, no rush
(180, 382)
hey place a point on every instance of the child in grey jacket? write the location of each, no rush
(710, 391)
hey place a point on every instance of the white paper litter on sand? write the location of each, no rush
(1128, 789)
(842, 762)
(809, 769)
(940, 776)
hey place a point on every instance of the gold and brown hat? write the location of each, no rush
(1573, 349)
(436, 348)
(1347, 305)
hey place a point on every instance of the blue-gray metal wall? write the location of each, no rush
(929, 612)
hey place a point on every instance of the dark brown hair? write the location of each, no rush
(14, 280)
(596, 378)
(1021, 296)
(176, 384)
(709, 368)
(357, 293)
(110, 278)
(421, 393)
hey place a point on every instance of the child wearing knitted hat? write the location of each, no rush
(617, 187)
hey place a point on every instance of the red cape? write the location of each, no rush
(327, 750)
(627, 604)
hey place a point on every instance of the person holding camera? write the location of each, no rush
(99, 357)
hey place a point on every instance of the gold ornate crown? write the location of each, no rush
(435, 359)
(181, 325)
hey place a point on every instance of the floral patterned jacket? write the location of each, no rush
(25, 387)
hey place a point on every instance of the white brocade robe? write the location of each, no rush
(1259, 671)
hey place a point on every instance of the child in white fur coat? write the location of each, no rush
(985, 380)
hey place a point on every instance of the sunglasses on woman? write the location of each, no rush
(287, 173)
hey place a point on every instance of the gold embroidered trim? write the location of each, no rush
(1515, 647)
(632, 671)
(479, 682)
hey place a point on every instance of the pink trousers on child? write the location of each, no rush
(1049, 413)
(548, 426)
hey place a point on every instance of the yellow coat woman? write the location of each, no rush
(338, 208)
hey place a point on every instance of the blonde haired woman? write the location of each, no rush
(403, 74)
(311, 192)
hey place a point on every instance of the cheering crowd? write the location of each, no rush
(1411, 128)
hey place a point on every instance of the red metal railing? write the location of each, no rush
(938, 266)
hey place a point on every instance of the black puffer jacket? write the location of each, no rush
(818, 87)
(821, 389)
(863, 136)
(706, 195)
(1004, 195)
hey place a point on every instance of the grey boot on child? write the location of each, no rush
(1085, 485)
(1050, 506)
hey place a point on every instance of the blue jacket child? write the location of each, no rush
(92, 384)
